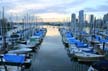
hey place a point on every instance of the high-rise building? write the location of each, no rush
(105, 18)
(91, 22)
(0, 15)
(73, 22)
(81, 16)
(99, 23)
(73, 18)
(81, 20)
(91, 19)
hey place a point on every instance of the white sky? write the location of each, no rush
(54, 8)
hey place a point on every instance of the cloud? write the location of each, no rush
(61, 7)
(8, 1)
(26, 7)
(53, 7)
(42, 6)
(101, 8)
(52, 17)
(15, 11)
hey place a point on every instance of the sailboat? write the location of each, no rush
(3, 48)
(19, 48)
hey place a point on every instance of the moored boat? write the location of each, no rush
(86, 57)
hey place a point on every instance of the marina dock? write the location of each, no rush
(53, 35)
(52, 55)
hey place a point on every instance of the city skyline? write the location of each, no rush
(59, 9)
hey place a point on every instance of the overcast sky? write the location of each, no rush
(54, 8)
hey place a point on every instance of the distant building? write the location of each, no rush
(81, 16)
(0, 15)
(73, 22)
(0, 28)
(99, 23)
(105, 18)
(91, 22)
(81, 19)
(91, 19)
(86, 22)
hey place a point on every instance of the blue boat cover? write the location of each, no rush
(80, 44)
(83, 33)
(103, 40)
(73, 41)
(90, 51)
(97, 37)
(68, 34)
(38, 33)
(14, 58)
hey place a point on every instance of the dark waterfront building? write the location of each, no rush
(105, 18)
(0, 28)
(99, 23)
(73, 22)
(105, 21)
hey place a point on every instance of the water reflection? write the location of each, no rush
(52, 55)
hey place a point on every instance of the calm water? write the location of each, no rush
(52, 55)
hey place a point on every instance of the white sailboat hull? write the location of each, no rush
(20, 51)
(88, 56)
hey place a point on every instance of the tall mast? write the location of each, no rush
(4, 30)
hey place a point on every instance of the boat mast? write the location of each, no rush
(4, 30)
